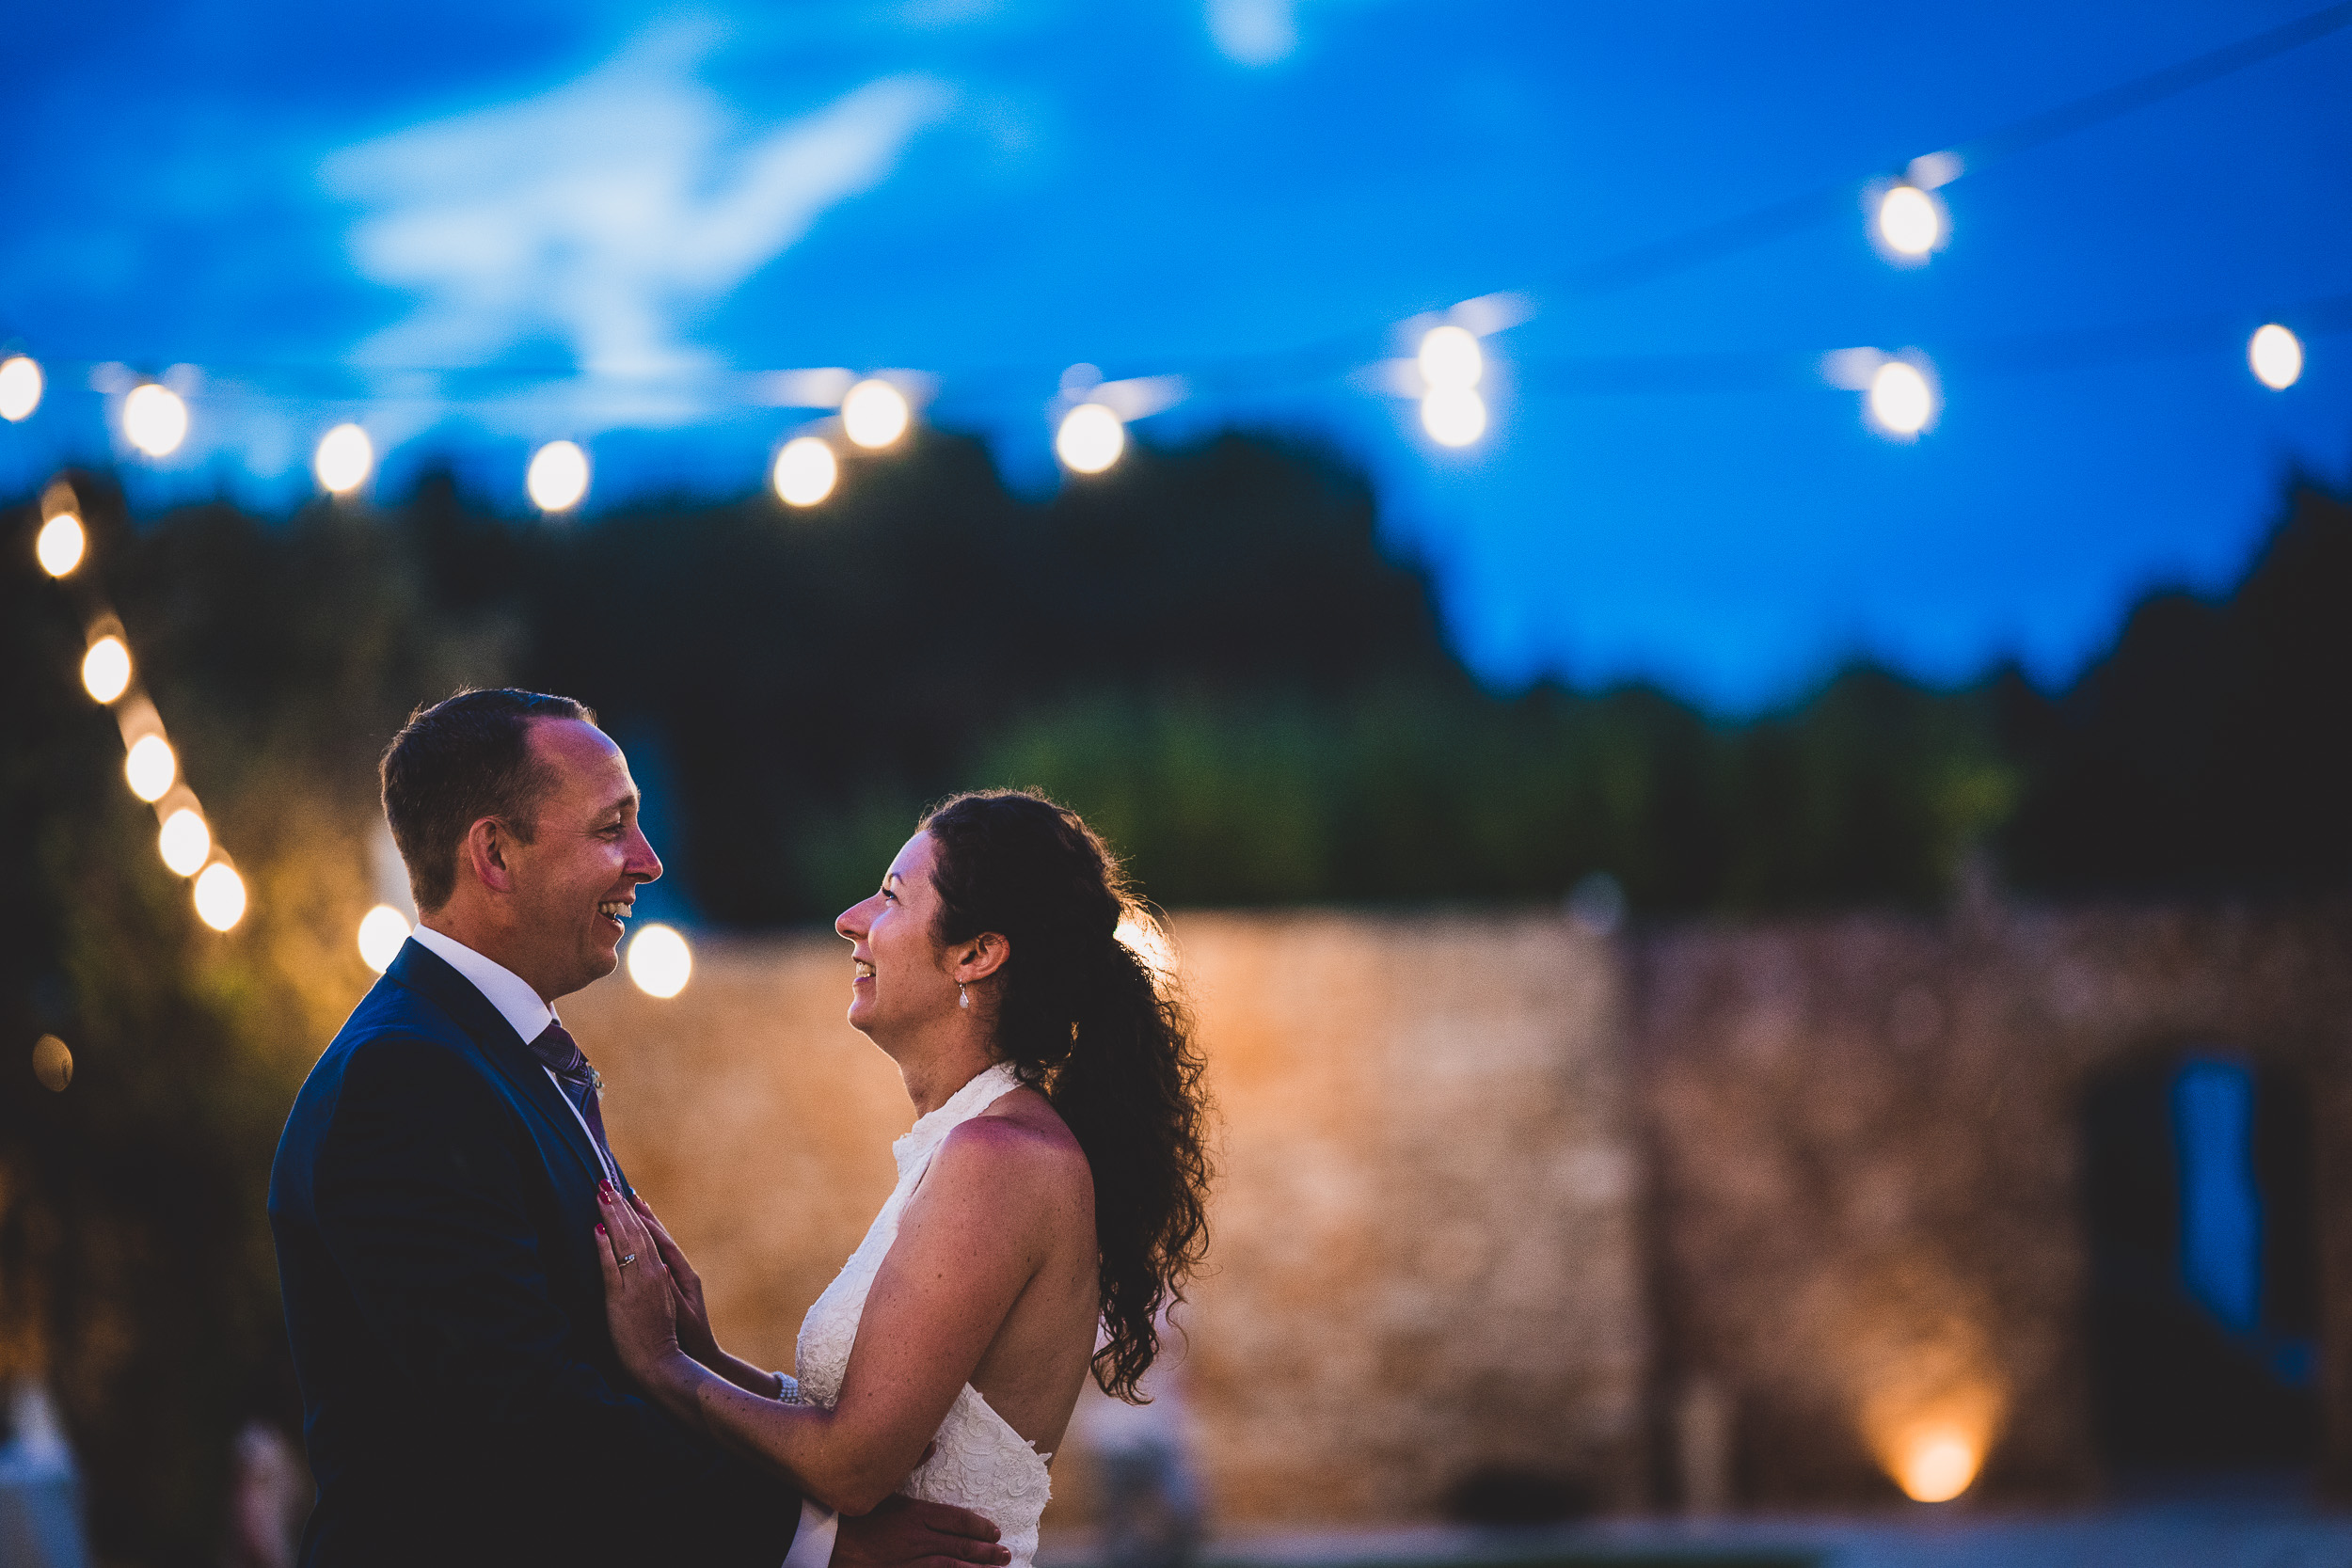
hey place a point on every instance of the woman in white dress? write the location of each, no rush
(1050, 1196)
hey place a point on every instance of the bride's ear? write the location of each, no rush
(982, 957)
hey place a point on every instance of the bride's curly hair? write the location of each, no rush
(1086, 1019)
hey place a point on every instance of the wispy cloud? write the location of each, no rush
(601, 213)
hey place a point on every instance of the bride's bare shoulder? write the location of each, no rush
(1018, 1144)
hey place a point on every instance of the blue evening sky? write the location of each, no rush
(479, 224)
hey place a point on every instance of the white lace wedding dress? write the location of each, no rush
(982, 1464)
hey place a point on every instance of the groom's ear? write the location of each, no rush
(484, 852)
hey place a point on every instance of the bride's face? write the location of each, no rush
(899, 980)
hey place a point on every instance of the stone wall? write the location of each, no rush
(1426, 1261)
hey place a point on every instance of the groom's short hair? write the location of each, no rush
(455, 762)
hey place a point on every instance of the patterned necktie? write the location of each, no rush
(562, 1056)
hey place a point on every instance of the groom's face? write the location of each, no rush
(584, 863)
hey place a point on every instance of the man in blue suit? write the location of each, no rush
(434, 1202)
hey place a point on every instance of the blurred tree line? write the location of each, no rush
(1208, 651)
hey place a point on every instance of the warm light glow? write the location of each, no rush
(106, 669)
(1909, 220)
(806, 472)
(59, 546)
(154, 419)
(2277, 356)
(659, 961)
(1936, 1462)
(344, 458)
(1900, 400)
(52, 1063)
(1450, 360)
(1149, 941)
(875, 413)
(20, 387)
(186, 843)
(1453, 416)
(558, 477)
(220, 896)
(150, 768)
(1090, 439)
(382, 929)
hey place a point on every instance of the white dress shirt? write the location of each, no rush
(529, 1015)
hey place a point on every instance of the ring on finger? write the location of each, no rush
(628, 1260)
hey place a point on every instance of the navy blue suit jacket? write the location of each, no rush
(434, 1205)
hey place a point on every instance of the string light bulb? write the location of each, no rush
(60, 544)
(2276, 356)
(220, 897)
(20, 387)
(1453, 416)
(185, 842)
(382, 931)
(805, 471)
(1910, 221)
(1901, 401)
(154, 419)
(558, 477)
(106, 669)
(344, 459)
(150, 768)
(659, 961)
(1090, 439)
(875, 414)
(1450, 360)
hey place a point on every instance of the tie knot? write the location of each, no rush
(560, 1053)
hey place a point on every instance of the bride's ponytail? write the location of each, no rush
(1093, 1024)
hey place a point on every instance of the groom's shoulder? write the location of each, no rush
(394, 1033)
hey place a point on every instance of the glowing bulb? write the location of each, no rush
(806, 472)
(150, 768)
(185, 842)
(52, 1063)
(659, 961)
(874, 414)
(106, 669)
(2276, 357)
(20, 387)
(1909, 221)
(154, 419)
(1453, 416)
(220, 896)
(1901, 399)
(382, 929)
(344, 457)
(60, 544)
(1937, 1464)
(1450, 360)
(1090, 439)
(558, 477)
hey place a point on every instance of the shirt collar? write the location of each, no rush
(500, 986)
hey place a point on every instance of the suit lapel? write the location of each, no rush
(427, 974)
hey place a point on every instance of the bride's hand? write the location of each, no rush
(639, 1303)
(694, 1336)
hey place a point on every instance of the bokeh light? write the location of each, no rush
(52, 1063)
(1937, 1462)
(1901, 401)
(150, 768)
(2277, 357)
(220, 897)
(344, 459)
(186, 842)
(382, 931)
(659, 961)
(1451, 358)
(805, 471)
(1909, 220)
(20, 387)
(558, 477)
(1453, 416)
(1090, 439)
(106, 669)
(154, 419)
(60, 544)
(875, 414)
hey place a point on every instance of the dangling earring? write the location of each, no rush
(964, 998)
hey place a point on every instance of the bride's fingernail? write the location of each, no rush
(600, 1227)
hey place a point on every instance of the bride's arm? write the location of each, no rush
(971, 1238)
(694, 1334)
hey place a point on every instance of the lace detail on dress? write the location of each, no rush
(980, 1464)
